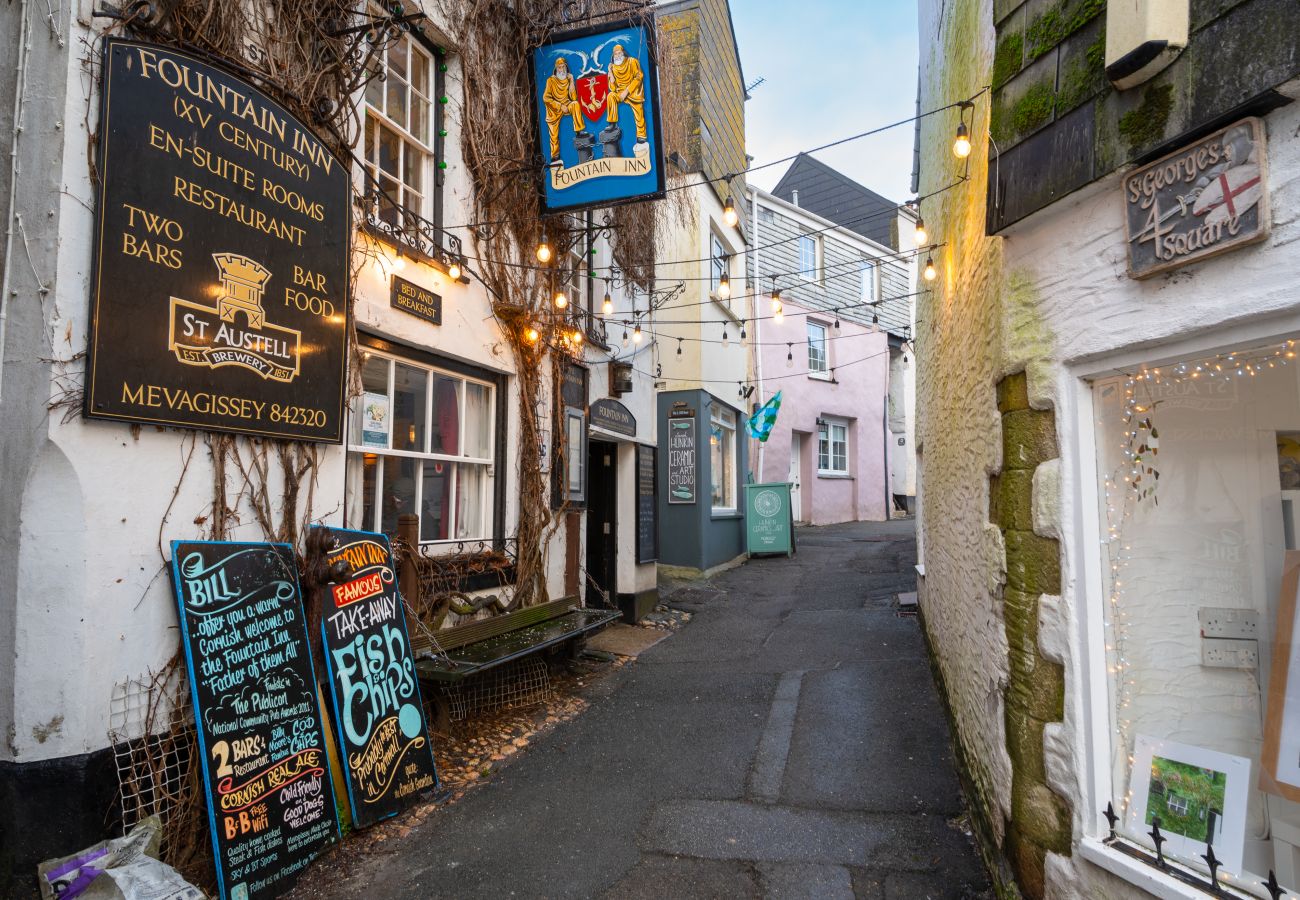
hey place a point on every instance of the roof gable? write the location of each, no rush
(834, 196)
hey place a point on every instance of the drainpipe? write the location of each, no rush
(757, 344)
(20, 98)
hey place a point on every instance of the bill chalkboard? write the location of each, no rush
(419, 302)
(681, 458)
(262, 744)
(377, 710)
(220, 294)
(647, 509)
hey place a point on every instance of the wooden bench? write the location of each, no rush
(465, 650)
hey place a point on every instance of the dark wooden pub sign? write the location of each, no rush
(420, 302)
(220, 293)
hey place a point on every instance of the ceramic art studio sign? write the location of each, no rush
(1201, 200)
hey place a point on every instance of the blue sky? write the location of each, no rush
(833, 68)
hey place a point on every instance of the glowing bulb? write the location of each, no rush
(608, 306)
(576, 337)
(399, 263)
(531, 335)
(453, 271)
(636, 334)
(729, 213)
(777, 317)
(961, 144)
(544, 251)
(724, 286)
(930, 271)
(921, 234)
(561, 301)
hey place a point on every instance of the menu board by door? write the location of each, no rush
(261, 740)
(378, 715)
(647, 510)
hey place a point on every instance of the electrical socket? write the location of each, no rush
(1226, 622)
(1229, 654)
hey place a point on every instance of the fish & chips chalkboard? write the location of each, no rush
(377, 710)
(262, 743)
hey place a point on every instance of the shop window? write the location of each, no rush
(400, 115)
(832, 447)
(1197, 465)
(818, 356)
(722, 453)
(421, 441)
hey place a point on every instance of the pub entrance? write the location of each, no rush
(602, 525)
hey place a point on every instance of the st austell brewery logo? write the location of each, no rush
(235, 332)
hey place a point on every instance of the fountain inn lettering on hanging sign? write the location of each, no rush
(220, 293)
(1198, 201)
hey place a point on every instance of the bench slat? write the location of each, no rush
(472, 632)
(503, 648)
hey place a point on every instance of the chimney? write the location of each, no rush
(794, 196)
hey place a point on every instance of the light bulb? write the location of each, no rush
(725, 342)
(576, 337)
(724, 286)
(729, 213)
(544, 251)
(636, 334)
(679, 346)
(608, 306)
(399, 263)
(742, 330)
(777, 317)
(837, 320)
(789, 356)
(930, 272)
(777, 308)
(921, 234)
(961, 145)
(561, 301)
(531, 335)
(625, 336)
(453, 271)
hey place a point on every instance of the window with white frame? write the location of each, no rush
(810, 253)
(867, 280)
(818, 353)
(421, 441)
(832, 447)
(722, 454)
(717, 263)
(399, 128)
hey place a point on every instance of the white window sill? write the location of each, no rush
(1139, 874)
(820, 376)
(840, 475)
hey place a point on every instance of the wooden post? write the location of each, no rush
(408, 580)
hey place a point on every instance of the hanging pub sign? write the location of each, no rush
(597, 98)
(1199, 201)
(614, 417)
(220, 293)
(378, 715)
(261, 741)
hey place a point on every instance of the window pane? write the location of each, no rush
(420, 118)
(478, 421)
(816, 347)
(435, 502)
(867, 275)
(471, 502)
(445, 427)
(372, 149)
(409, 387)
(823, 448)
(399, 490)
(722, 454)
(573, 450)
(397, 100)
(389, 199)
(360, 510)
(419, 71)
(375, 93)
(369, 411)
(390, 151)
(397, 59)
(413, 170)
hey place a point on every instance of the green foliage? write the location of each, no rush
(1058, 23)
(1007, 59)
(1033, 110)
(1144, 126)
(1085, 77)
(1202, 790)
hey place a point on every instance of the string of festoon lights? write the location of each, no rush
(1133, 482)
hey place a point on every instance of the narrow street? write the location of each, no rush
(788, 742)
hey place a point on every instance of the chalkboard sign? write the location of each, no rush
(681, 459)
(647, 512)
(220, 294)
(377, 710)
(265, 770)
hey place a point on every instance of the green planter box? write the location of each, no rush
(769, 524)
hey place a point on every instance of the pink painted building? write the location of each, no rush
(840, 352)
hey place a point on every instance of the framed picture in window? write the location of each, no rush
(1198, 795)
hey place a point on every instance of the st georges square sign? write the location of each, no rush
(220, 292)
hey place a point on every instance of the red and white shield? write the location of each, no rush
(593, 88)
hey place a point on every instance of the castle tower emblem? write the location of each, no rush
(243, 281)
